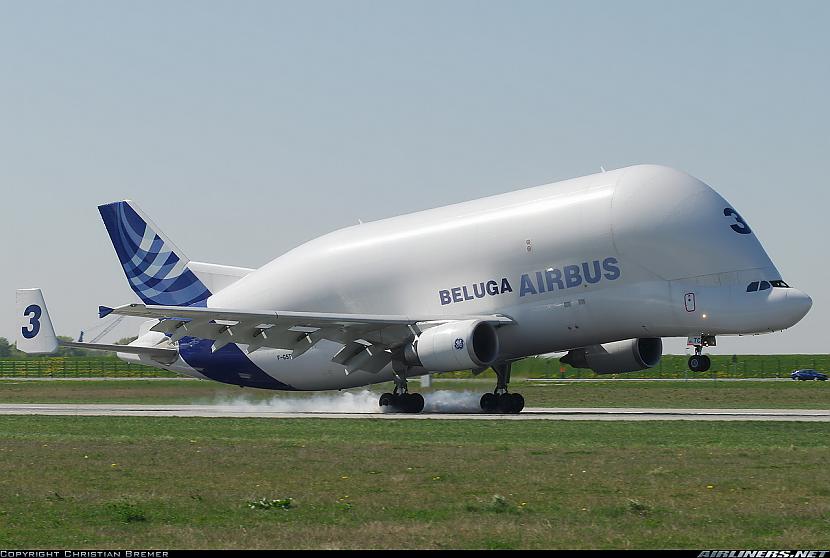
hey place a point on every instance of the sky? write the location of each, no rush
(247, 128)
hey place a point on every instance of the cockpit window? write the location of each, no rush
(756, 286)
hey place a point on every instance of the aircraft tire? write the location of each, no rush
(694, 363)
(517, 403)
(385, 400)
(489, 403)
(414, 403)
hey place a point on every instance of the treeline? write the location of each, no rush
(9, 350)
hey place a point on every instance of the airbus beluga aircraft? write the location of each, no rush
(601, 266)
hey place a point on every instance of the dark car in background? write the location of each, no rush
(807, 374)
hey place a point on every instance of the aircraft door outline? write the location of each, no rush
(689, 301)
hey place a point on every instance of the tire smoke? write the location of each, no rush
(447, 401)
(363, 401)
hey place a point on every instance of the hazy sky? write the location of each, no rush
(246, 128)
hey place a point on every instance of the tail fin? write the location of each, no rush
(157, 270)
(36, 334)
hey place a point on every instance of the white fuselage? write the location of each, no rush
(644, 251)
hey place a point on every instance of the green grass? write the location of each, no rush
(671, 366)
(709, 394)
(77, 367)
(144, 482)
(679, 394)
(675, 366)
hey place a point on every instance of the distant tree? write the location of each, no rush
(9, 349)
(5, 348)
(126, 340)
(70, 351)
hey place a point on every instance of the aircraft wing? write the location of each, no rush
(367, 338)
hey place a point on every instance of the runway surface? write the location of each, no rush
(531, 413)
(470, 380)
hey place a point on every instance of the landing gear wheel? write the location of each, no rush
(414, 402)
(699, 363)
(517, 402)
(500, 401)
(694, 363)
(402, 402)
(489, 403)
(506, 403)
(511, 403)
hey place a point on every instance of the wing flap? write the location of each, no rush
(308, 318)
(367, 338)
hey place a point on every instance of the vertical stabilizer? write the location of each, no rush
(156, 269)
(35, 334)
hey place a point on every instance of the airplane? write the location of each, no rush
(603, 267)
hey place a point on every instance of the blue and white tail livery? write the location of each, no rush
(157, 270)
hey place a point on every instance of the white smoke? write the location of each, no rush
(364, 401)
(446, 401)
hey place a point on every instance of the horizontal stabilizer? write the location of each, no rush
(159, 354)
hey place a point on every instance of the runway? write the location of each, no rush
(434, 379)
(531, 413)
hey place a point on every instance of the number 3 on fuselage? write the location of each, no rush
(740, 227)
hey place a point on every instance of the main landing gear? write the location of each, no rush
(400, 400)
(699, 362)
(500, 401)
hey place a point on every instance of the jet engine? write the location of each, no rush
(461, 345)
(620, 356)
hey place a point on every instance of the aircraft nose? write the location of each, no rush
(799, 303)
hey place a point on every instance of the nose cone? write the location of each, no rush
(798, 303)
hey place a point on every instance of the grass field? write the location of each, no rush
(86, 482)
(670, 366)
(709, 394)
(74, 367)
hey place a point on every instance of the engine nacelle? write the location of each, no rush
(617, 357)
(463, 345)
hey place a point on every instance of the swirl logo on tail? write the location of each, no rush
(155, 268)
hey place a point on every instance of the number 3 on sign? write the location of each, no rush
(33, 312)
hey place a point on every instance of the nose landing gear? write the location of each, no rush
(699, 362)
(500, 401)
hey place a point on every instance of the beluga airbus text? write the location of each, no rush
(602, 267)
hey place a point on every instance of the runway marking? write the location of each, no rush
(531, 413)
